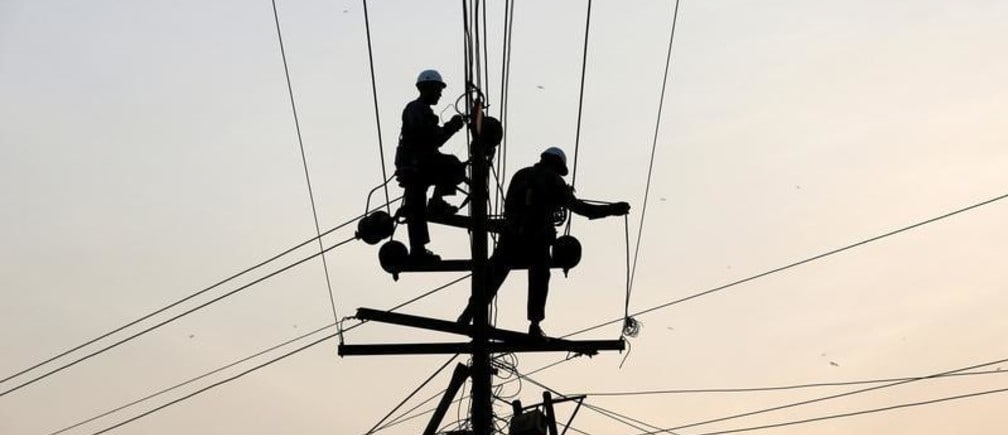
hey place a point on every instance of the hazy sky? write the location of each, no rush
(148, 151)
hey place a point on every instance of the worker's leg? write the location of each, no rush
(499, 266)
(538, 277)
(415, 207)
(447, 172)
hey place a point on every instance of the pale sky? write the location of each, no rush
(148, 151)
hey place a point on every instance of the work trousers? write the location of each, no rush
(514, 250)
(416, 175)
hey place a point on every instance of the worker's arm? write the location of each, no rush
(422, 126)
(594, 211)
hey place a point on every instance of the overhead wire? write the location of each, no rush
(191, 380)
(255, 355)
(584, 70)
(304, 160)
(577, 133)
(834, 396)
(504, 98)
(613, 415)
(654, 145)
(216, 384)
(169, 320)
(861, 412)
(169, 306)
(374, 94)
(780, 387)
(413, 393)
(797, 263)
(182, 300)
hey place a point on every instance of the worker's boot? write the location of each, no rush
(439, 207)
(420, 254)
(535, 330)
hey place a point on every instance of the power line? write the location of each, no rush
(654, 145)
(304, 161)
(181, 384)
(834, 396)
(798, 263)
(201, 390)
(624, 419)
(780, 387)
(584, 69)
(374, 94)
(184, 299)
(172, 319)
(255, 355)
(410, 395)
(866, 411)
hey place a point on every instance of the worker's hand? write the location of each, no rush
(454, 124)
(619, 208)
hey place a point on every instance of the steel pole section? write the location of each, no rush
(482, 406)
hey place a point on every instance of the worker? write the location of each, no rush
(419, 164)
(536, 195)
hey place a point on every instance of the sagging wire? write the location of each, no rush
(631, 326)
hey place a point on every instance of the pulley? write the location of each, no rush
(375, 227)
(566, 252)
(392, 256)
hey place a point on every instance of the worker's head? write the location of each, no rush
(430, 85)
(555, 159)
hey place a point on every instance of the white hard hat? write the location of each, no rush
(558, 154)
(430, 75)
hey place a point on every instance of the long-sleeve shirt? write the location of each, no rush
(536, 194)
(420, 135)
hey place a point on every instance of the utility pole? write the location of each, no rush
(482, 407)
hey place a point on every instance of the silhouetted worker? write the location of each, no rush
(536, 195)
(419, 165)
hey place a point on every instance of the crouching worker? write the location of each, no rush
(536, 194)
(419, 164)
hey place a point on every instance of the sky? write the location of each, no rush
(148, 150)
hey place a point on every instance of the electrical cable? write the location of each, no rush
(835, 396)
(410, 395)
(174, 304)
(257, 354)
(504, 93)
(374, 94)
(216, 384)
(862, 412)
(184, 299)
(584, 70)
(577, 133)
(171, 319)
(624, 419)
(798, 263)
(181, 384)
(486, 56)
(304, 161)
(654, 145)
(780, 387)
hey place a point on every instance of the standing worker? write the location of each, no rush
(420, 165)
(535, 196)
